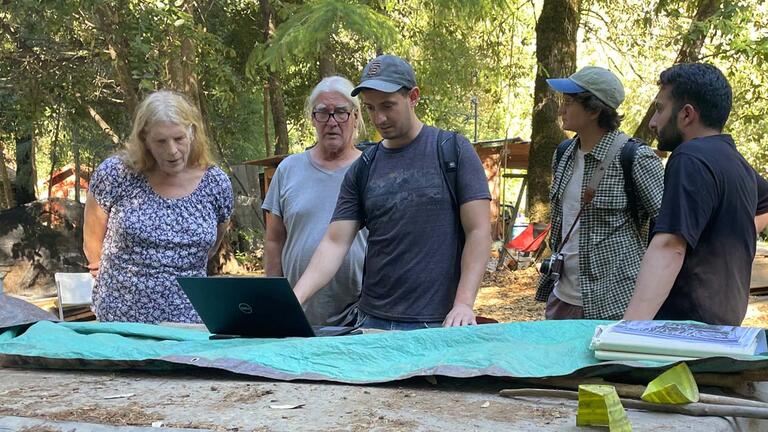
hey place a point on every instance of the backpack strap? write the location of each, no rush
(561, 148)
(594, 183)
(448, 158)
(559, 153)
(627, 159)
(362, 173)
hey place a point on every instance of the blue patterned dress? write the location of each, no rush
(150, 240)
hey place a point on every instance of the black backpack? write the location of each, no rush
(627, 159)
(447, 155)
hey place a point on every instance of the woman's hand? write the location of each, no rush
(93, 269)
(94, 230)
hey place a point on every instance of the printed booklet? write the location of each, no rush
(675, 340)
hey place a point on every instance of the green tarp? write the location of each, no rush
(516, 350)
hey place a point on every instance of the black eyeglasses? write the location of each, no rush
(324, 117)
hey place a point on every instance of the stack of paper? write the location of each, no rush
(675, 341)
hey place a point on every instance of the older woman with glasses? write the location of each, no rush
(302, 197)
(155, 211)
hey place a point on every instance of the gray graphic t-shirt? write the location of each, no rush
(304, 195)
(412, 267)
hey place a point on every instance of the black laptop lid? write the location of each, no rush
(262, 307)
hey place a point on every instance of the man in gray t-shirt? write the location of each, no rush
(425, 259)
(303, 194)
(301, 199)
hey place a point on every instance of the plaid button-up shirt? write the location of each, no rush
(611, 245)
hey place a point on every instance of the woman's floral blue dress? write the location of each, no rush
(151, 240)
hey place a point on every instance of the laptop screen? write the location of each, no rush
(263, 307)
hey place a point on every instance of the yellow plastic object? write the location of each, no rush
(599, 405)
(675, 386)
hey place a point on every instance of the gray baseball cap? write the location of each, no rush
(386, 73)
(596, 80)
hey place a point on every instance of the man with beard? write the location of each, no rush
(698, 264)
(426, 251)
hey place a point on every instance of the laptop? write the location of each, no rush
(258, 307)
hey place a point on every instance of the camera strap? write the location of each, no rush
(591, 189)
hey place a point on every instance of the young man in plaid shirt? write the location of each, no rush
(601, 258)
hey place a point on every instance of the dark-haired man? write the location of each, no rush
(426, 252)
(601, 257)
(698, 263)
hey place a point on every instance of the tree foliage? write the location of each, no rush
(733, 37)
(77, 68)
(82, 59)
(316, 26)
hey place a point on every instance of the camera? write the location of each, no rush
(552, 267)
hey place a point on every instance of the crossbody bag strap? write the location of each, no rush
(597, 177)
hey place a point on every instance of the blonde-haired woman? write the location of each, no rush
(155, 211)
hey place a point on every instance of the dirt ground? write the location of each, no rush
(211, 400)
(507, 296)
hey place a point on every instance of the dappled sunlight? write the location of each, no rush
(508, 296)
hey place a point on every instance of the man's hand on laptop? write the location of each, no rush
(460, 315)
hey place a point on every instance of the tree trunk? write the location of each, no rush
(556, 32)
(76, 151)
(54, 158)
(189, 60)
(278, 114)
(187, 80)
(267, 142)
(181, 65)
(5, 179)
(276, 90)
(104, 125)
(25, 171)
(118, 48)
(326, 63)
(689, 52)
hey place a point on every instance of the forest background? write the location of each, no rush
(72, 72)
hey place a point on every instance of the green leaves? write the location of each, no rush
(318, 24)
(60, 54)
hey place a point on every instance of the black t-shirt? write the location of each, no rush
(413, 262)
(711, 196)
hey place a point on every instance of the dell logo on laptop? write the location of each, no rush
(245, 308)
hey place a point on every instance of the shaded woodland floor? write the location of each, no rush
(507, 296)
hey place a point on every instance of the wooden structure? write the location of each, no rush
(62, 183)
(496, 155)
(249, 196)
(270, 165)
